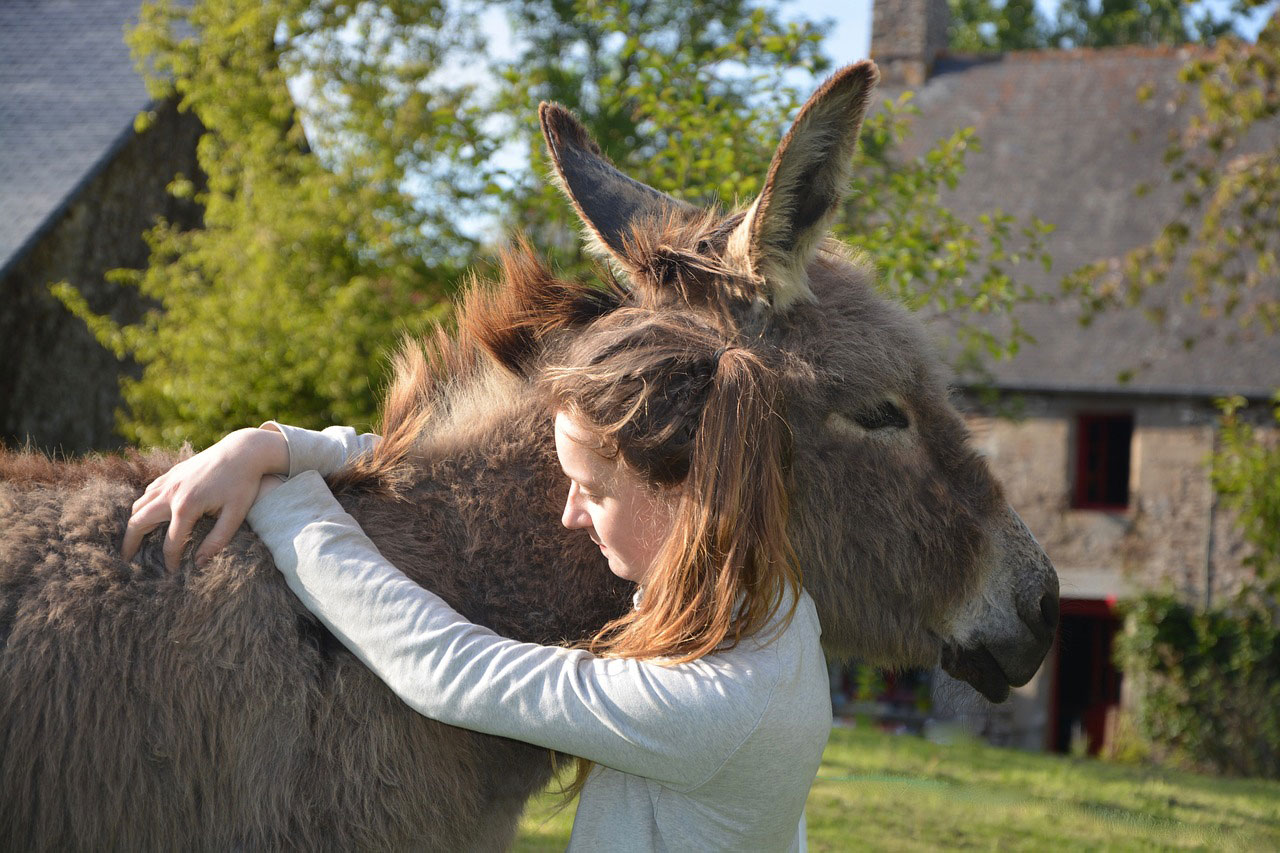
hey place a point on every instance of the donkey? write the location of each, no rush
(207, 709)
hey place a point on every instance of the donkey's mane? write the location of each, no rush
(679, 256)
(504, 325)
(28, 467)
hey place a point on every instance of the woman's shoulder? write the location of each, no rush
(772, 659)
(793, 623)
(791, 703)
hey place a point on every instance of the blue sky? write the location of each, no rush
(850, 38)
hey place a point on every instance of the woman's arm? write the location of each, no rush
(223, 481)
(675, 724)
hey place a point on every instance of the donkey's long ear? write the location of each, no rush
(607, 200)
(807, 180)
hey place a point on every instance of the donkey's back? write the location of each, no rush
(142, 709)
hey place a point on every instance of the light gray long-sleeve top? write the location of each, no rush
(715, 754)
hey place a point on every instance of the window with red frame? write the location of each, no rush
(1102, 461)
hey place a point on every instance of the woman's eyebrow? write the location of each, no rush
(585, 482)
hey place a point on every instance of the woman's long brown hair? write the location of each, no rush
(697, 418)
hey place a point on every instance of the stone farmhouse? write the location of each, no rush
(1107, 462)
(78, 187)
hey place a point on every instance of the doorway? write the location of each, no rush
(1086, 682)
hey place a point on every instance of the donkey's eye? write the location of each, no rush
(886, 415)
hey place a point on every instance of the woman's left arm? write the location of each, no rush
(675, 724)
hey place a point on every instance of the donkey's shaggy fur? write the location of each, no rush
(207, 709)
(146, 710)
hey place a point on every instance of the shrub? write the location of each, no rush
(1208, 682)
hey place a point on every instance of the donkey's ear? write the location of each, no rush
(807, 180)
(607, 200)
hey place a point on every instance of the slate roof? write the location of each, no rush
(1064, 137)
(68, 97)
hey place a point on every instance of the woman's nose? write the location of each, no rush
(574, 516)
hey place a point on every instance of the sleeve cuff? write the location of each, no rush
(325, 451)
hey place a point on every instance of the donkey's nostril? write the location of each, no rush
(1049, 610)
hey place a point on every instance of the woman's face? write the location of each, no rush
(619, 512)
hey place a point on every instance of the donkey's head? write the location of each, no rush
(907, 544)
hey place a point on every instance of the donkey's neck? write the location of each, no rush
(480, 523)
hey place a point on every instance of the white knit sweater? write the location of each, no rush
(716, 754)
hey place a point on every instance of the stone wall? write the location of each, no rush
(1173, 534)
(58, 387)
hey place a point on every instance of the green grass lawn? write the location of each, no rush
(885, 792)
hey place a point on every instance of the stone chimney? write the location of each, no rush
(906, 37)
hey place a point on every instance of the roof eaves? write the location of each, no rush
(1197, 392)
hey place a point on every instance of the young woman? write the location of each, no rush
(700, 716)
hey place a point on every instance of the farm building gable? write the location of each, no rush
(78, 187)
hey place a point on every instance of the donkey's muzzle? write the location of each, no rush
(993, 666)
(1008, 650)
(979, 667)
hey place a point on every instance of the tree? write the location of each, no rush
(980, 26)
(334, 224)
(282, 303)
(1090, 23)
(989, 25)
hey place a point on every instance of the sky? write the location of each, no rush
(850, 38)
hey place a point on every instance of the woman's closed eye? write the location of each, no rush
(586, 493)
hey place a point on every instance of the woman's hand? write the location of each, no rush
(223, 480)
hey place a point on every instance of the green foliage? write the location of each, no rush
(992, 25)
(1224, 241)
(1246, 473)
(334, 220)
(981, 26)
(305, 268)
(1208, 681)
(1089, 23)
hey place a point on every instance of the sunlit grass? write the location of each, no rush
(884, 792)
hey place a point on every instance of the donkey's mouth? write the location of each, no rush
(978, 667)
